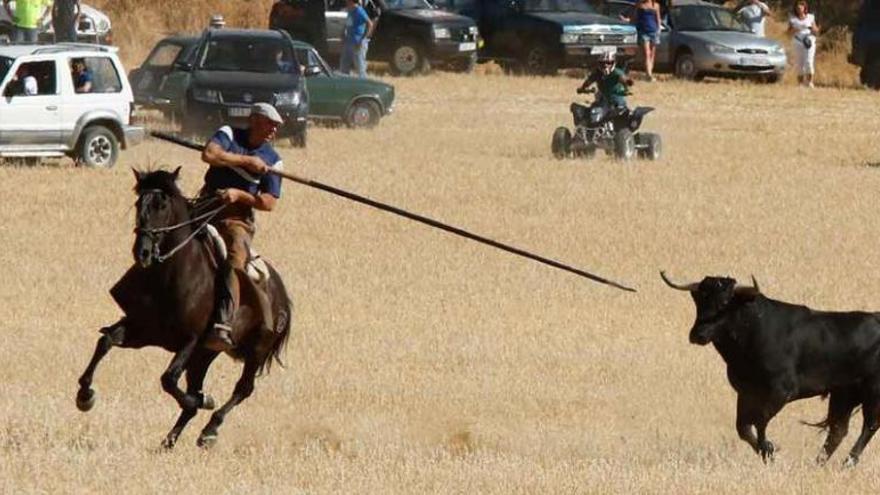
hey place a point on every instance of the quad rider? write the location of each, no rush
(611, 81)
(239, 161)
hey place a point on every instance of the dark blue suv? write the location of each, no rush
(866, 44)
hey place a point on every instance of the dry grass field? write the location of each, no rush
(421, 362)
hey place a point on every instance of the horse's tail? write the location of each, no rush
(283, 322)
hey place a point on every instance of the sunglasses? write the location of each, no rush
(606, 63)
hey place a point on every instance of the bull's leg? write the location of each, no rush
(746, 417)
(840, 408)
(243, 390)
(870, 424)
(172, 375)
(769, 409)
(113, 335)
(195, 378)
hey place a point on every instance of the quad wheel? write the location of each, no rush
(649, 145)
(561, 145)
(624, 145)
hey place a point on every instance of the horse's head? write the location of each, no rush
(160, 205)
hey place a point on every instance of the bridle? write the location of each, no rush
(153, 233)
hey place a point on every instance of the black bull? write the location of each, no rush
(778, 352)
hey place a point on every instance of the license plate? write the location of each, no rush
(598, 50)
(754, 61)
(240, 112)
(467, 47)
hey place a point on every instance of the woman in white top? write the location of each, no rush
(802, 26)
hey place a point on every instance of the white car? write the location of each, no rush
(42, 116)
(94, 26)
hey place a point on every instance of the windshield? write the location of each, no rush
(558, 6)
(247, 55)
(5, 64)
(701, 18)
(407, 4)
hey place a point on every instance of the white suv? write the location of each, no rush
(41, 115)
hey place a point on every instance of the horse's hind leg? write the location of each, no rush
(113, 335)
(195, 378)
(243, 390)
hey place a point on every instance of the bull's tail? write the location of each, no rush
(826, 423)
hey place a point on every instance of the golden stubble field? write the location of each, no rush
(421, 362)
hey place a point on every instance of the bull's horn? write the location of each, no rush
(745, 290)
(689, 287)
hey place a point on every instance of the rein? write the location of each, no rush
(207, 217)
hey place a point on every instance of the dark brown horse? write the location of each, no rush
(167, 298)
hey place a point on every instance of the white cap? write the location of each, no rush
(217, 20)
(268, 111)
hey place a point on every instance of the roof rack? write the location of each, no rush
(67, 46)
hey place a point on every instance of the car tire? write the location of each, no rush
(408, 59)
(870, 73)
(624, 145)
(363, 114)
(561, 144)
(463, 65)
(537, 59)
(650, 145)
(98, 147)
(298, 138)
(686, 67)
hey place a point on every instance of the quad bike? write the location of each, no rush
(610, 128)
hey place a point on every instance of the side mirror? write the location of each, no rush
(313, 70)
(517, 6)
(183, 65)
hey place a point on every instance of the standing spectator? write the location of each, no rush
(28, 17)
(646, 17)
(752, 13)
(217, 22)
(802, 26)
(65, 17)
(358, 29)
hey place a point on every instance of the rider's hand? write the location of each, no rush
(256, 165)
(229, 196)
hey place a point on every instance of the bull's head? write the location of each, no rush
(713, 297)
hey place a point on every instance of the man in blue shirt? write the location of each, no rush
(240, 160)
(358, 30)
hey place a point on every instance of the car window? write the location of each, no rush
(99, 73)
(335, 5)
(310, 58)
(407, 4)
(700, 18)
(615, 10)
(164, 55)
(255, 55)
(558, 6)
(33, 79)
(5, 64)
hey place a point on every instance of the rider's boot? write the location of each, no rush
(220, 337)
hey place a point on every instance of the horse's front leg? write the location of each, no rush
(172, 375)
(113, 335)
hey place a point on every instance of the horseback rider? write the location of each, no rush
(239, 161)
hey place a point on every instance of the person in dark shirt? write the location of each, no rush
(611, 82)
(82, 78)
(65, 17)
(240, 160)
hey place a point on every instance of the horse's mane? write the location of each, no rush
(162, 180)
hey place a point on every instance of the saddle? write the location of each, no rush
(257, 270)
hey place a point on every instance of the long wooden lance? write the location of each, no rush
(406, 214)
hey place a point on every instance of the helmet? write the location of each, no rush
(217, 21)
(606, 62)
